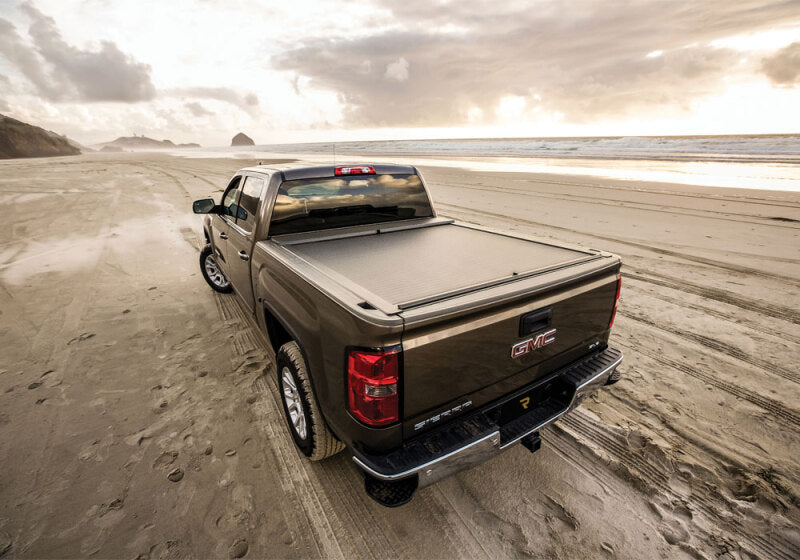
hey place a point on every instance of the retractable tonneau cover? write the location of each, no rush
(398, 270)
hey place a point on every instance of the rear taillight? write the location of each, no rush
(616, 303)
(372, 385)
(357, 170)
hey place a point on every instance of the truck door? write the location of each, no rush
(240, 238)
(220, 223)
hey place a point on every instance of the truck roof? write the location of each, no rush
(310, 172)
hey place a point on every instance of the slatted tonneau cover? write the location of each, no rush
(412, 267)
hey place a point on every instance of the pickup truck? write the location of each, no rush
(422, 345)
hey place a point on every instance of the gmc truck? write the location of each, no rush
(422, 345)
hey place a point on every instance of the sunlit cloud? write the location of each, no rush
(783, 68)
(201, 71)
(60, 71)
(766, 40)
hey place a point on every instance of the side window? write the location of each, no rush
(248, 204)
(230, 199)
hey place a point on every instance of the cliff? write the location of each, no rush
(21, 140)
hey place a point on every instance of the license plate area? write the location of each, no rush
(543, 397)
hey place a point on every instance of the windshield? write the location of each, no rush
(331, 202)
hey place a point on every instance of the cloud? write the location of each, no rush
(198, 110)
(580, 61)
(397, 70)
(15, 51)
(783, 68)
(60, 71)
(247, 102)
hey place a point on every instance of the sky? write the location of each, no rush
(319, 70)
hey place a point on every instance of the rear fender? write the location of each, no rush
(280, 334)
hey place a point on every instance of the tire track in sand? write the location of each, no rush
(321, 505)
(303, 511)
(680, 284)
(717, 294)
(717, 346)
(327, 508)
(662, 474)
(658, 250)
(660, 209)
(719, 314)
(776, 409)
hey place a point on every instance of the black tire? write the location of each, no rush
(211, 271)
(315, 441)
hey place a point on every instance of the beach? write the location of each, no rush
(139, 416)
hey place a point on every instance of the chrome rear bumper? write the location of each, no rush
(451, 455)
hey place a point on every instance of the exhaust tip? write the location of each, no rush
(391, 493)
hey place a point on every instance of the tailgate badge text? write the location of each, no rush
(530, 344)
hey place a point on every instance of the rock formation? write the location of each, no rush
(242, 139)
(19, 140)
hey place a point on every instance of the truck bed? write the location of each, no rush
(461, 292)
(411, 267)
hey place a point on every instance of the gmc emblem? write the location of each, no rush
(521, 348)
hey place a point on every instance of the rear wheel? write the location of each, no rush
(308, 428)
(212, 272)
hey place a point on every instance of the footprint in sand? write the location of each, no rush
(165, 459)
(175, 475)
(674, 532)
(238, 549)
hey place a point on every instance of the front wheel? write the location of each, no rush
(308, 428)
(212, 272)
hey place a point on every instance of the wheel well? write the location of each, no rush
(278, 335)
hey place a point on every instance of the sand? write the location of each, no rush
(138, 416)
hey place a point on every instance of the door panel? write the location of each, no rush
(221, 223)
(240, 239)
(219, 228)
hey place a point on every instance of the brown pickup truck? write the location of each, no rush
(422, 345)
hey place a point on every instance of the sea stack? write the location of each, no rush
(242, 139)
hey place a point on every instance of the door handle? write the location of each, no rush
(535, 321)
(223, 235)
(243, 256)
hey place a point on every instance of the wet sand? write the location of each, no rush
(138, 416)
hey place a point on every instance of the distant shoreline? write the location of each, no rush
(780, 172)
(782, 148)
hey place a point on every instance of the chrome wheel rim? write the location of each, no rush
(291, 396)
(214, 273)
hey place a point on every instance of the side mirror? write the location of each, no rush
(204, 206)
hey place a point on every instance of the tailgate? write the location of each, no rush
(479, 358)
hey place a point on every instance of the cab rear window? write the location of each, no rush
(330, 202)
